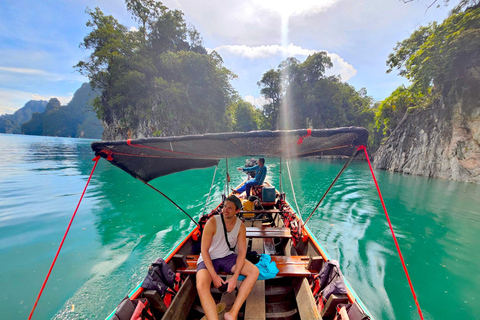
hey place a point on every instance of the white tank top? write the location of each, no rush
(219, 248)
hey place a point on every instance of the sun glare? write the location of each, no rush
(291, 8)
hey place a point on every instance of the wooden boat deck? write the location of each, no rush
(288, 266)
(268, 232)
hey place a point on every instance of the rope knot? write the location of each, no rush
(108, 153)
(300, 140)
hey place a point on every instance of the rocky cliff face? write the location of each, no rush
(441, 141)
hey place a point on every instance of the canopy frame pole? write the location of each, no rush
(173, 202)
(280, 174)
(331, 185)
(227, 177)
(210, 191)
(293, 190)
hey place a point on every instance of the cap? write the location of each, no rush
(235, 200)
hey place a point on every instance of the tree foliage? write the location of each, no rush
(243, 116)
(308, 98)
(159, 75)
(391, 110)
(432, 58)
(439, 53)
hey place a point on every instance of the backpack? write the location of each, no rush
(160, 277)
(331, 280)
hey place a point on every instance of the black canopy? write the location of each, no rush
(147, 159)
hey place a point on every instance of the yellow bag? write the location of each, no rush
(248, 206)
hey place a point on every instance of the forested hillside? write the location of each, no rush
(76, 119)
(12, 123)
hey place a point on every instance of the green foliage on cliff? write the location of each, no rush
(433, 57)
(391, 110)
(159, 76)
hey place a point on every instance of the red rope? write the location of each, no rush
(393, 233)
(64, 236)
(300, 140)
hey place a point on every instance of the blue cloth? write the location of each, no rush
(268, 269)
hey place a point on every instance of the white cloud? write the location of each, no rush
(24, 71)
(340, 66)
(252, 22)
(294, 8)
(45, 75)
(265, 51)
(258, 102)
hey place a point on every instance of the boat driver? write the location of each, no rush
(217, 255)
(261, 173)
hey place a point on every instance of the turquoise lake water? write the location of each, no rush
(122, 226)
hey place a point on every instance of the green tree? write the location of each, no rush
(433, 58)
(159, 77)
(243, 116)
(392, 109)
(271, 89)
(311, 98)
(439, 53)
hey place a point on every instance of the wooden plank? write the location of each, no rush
(255, 304)
(183, 301)
(307, 308)
(268, 232)
(293, 266)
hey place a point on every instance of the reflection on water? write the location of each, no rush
(123, 225)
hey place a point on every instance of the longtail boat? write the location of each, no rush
(273, 227)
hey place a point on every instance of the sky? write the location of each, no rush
(40, 40)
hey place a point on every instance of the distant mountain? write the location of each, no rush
(11, 123)
(76, 119)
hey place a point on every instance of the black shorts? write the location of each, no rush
(224, 264)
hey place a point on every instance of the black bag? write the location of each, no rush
(160, 277)
(253, 257)
(126, 309)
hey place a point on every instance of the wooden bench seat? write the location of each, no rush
(268, 232)
(289, 266)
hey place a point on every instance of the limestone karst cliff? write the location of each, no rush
(441, 140)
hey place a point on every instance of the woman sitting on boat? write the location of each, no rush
(260, 174)
(217, 256)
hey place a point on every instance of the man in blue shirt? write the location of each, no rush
(261, 173)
